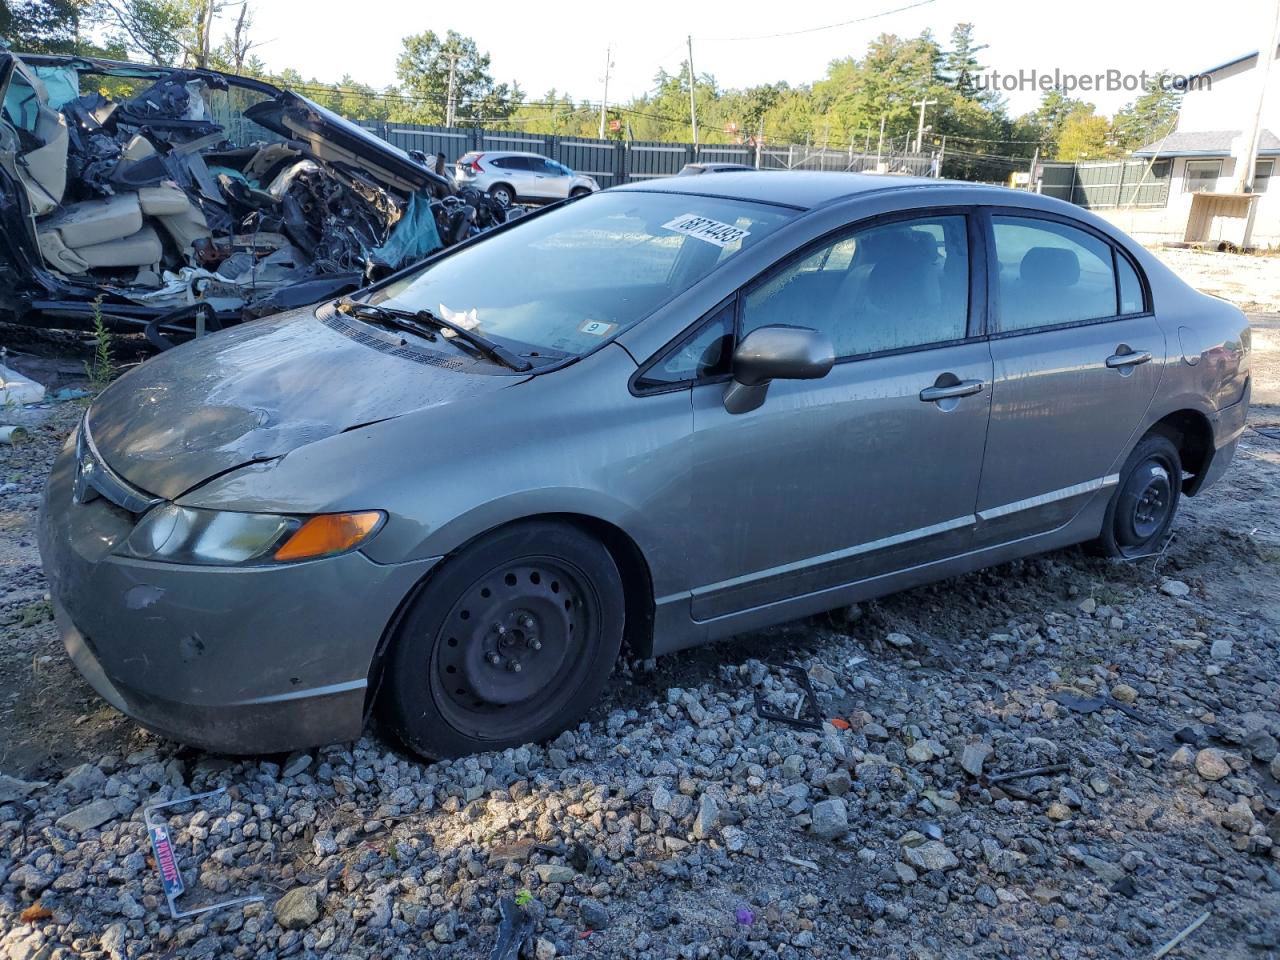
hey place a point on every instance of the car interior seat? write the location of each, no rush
(99, 233)
(1043, 273)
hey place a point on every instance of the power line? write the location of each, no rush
(828, 26)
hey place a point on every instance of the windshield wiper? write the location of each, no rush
(416, 320)
(399, 319)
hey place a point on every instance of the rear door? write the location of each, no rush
(1078, 356)
(515, 171)
(873, 468)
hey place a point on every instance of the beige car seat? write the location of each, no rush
(180, 218)
(114, 233)
(98, 233)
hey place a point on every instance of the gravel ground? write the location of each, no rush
(675, 823)
(1251, 282)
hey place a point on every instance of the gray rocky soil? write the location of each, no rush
(1063, 757)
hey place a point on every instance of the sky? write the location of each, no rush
(546, 45)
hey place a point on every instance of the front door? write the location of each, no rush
(871, 469)
(554, 180)
(1078, 357)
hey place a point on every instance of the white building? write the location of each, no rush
(1206, 148)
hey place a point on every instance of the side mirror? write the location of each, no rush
(775, 353)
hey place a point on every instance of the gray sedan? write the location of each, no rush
(653, 417)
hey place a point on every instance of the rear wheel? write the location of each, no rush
(579, 192)
(510, 642)
(503, 195)
(1146, 499)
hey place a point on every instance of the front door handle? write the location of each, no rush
(1118, 361)
(965, 388)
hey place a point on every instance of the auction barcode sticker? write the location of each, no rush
(704, 228)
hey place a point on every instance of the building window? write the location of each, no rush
(1201, 176)
(1261, 174)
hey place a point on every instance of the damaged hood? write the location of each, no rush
(258, 391)
(337, 140)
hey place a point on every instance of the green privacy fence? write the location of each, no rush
(1115, 183)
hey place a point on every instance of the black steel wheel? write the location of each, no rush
(508, 643)
(1146, 499)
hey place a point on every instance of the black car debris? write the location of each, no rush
(176, 199)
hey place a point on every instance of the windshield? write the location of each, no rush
(575, 277)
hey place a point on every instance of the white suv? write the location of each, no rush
(510, 177)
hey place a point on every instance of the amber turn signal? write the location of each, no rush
(329, 533)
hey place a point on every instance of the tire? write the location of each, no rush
(509, 642)
(579, 192)
(503, 195)
(1146, 499)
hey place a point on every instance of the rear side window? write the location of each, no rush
(885, 287)
(1051, 273)
(1130, 287)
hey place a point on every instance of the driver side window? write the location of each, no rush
(885, 287)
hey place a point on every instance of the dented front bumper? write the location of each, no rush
(236, 660)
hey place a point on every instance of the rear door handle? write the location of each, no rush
(1118, 360)
(965, 388)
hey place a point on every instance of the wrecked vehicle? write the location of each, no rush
(668, 413)
(123, 184)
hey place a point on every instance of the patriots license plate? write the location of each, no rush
(166, 862)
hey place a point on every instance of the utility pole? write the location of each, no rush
(604, 101)
(759, 142)
(942, 153)
(880, 142)
(450, 108)
(1031, 174)
(1247, 162)
(693, 103)
(920, 126)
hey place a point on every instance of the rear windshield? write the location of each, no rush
(575, 277)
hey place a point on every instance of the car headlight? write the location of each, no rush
(174, 534)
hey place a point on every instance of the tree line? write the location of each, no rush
(862, 103)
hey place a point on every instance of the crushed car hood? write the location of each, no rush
(258, 391)
(338, 140)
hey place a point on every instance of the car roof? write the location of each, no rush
(805, 189)
(511, 153)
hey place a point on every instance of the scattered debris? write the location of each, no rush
(199, 189)
(35, 913)
(807, 714)
(167, 859)
(1030, 772)
(16, 390)
(1189, 929)
(799, 862)
(515, 927)
(1092, 704)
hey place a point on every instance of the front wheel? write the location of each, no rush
(579, 192)
(1142, 509)
(509, 642)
